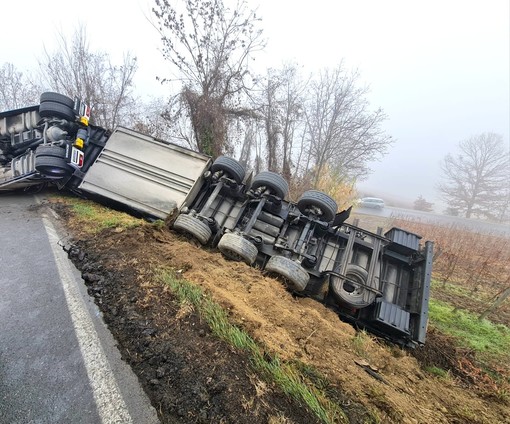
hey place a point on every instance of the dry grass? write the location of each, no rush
(478, 262)
(470, 268)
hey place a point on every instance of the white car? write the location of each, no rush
(371, 202)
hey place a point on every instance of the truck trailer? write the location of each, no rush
(379, 282)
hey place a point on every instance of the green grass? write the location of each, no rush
(452, 288)
(439, 372)
(94, 217)
(83, 210)
(482, 336)
(288, 376)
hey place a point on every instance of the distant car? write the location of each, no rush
(371, 202)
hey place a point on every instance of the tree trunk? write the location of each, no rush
(498, 300)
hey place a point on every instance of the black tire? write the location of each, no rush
(237, 248)
(56, 110)
(49, 150)
(52, 166)
(57, 98)
(293, 274)
(352, 294)
(319, 200)
(191, 225)
(231, 167)
(272, 181)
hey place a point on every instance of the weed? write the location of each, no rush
(360, 342)
(438, 372)
(159, 224)
(279, 419)
(397, 351)
(464, 414)
(503, 396)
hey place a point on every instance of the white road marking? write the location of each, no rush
(110, 404)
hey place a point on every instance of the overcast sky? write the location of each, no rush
(440, 69)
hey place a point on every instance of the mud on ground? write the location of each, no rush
(192, 377)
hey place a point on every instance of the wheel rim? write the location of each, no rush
(352, 290)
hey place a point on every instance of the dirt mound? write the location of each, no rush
(443, 352)
(192, 377)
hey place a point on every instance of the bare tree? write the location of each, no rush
(16, 89)
(281, 109)
(342, 131)
(209, 47)
(293, 111)
(248, 145)
(73, 69)
(150, 119)
(476, 181)
(272, 120)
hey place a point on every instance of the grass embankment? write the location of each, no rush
(483, 336)
(483, 340)
(297, 380)
(490, 341)
(93, 218)
(292, 378)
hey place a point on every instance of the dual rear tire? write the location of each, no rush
(55, 105)
(51, 161)
(236, 247)
(230, 167)
(291, 272)
(317, 203)
(193, 226)
(271, 181)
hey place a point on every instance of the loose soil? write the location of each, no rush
(193, 377)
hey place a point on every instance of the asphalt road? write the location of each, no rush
(445, 220)
(58, 362)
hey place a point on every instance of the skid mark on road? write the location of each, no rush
(110, 404)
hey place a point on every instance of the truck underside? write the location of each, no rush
(377, 281)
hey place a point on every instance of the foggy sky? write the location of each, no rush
(439, 69)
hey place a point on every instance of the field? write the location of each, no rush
(217, 341)
(471, 269)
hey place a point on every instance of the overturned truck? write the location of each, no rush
(377, 281)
